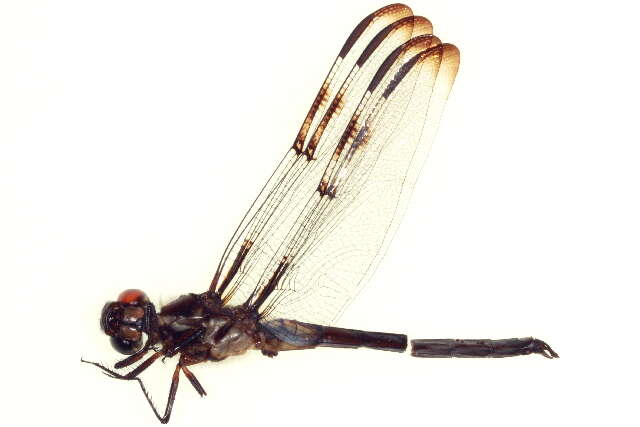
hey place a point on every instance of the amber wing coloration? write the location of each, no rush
(319, 227)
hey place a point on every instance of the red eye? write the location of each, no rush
(133, 296)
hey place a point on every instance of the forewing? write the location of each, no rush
(349, 220)
(319, 227)
(265, 225)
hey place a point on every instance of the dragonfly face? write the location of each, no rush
(126, 319)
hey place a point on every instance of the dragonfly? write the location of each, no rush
(316, 232)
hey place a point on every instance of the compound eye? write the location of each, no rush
(109, 320)
(133, 296)
(125, 346)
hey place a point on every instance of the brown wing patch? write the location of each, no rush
(319, 100)
(237, 263)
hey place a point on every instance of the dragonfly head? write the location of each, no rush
(126, 319)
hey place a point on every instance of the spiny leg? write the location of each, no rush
(172, 392)
(130, 375)
(180, 366)
(133, 375)
(172, 396)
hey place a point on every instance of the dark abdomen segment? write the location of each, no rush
(299, 335)
(481, 348)
(339, 337)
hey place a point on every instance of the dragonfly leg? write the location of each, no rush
(185, 340)
(133, 375)
(172, 395)
(132, 359)
(481, 348)
(184, 361)
(173, 388)
(130, 375)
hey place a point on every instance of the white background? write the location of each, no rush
(133, 135)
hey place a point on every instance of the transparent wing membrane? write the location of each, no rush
(319, 227)
(293, 172)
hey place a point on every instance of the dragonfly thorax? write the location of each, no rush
(205, 330)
